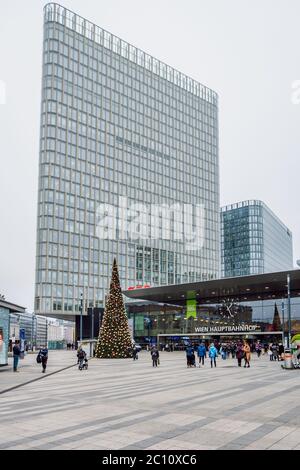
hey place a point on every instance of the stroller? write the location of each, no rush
(83, 363)
(193, 360)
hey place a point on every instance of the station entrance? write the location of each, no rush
(180, 342)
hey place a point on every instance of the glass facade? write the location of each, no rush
(35, 327)
(249, 318)
(10, 325)
(253, 240)
(118, 122)
(4, 335)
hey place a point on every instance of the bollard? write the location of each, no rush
(288, 363)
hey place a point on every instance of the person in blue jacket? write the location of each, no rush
(201, 353)
(212, 353)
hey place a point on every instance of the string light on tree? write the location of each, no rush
(114, 336)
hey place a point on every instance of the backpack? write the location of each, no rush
(81, 354)
(38, 358)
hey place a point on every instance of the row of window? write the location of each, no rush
(116, 170)
(173, 131)
(96, 57)
(209, 200)
(101, 91)
(109, 246)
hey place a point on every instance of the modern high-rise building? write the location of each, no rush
(121, 132)
(253, 240)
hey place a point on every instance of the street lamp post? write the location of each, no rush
(289, 309)
(81, 308)
(283, 322)
(92, 323)
(148, 324)
(32, 331)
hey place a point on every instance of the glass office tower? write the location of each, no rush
(253, 240)
(116, 122)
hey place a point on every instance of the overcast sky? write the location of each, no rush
(248, 51)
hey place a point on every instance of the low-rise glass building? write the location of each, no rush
(7, 310)
(252, 307)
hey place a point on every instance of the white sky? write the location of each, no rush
(248, 51)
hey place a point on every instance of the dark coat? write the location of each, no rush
(239, 352)
(16, 350)
(189, 351)
(43, 353)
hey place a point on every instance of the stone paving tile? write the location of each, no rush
(256, 446)
(254, 435)
(233, 426)
(122, 439)
(230, 446)
(289, 441)
(173, 444)
(179, 431)
(175, 418)
(209, 437)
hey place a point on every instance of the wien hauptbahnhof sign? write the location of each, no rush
(226, 328)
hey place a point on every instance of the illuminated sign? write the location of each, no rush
(226, 328)
(145, 286)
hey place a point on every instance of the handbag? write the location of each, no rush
(38, 358)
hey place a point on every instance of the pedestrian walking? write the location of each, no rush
(16, 355)
(281, 351)
(212, 353)
(270, 352)
(201, 353)
(193, 358)
(223, 352)
(135, 353)
(43, 358)
(275, 351)
(239, 353)
(190, 356)
(258, 348)
(247, 354)
(155, 357)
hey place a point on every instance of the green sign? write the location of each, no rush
(191, 308)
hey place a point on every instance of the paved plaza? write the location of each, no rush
(29, 369)
(122, 404)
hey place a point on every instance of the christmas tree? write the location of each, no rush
(114, 337)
